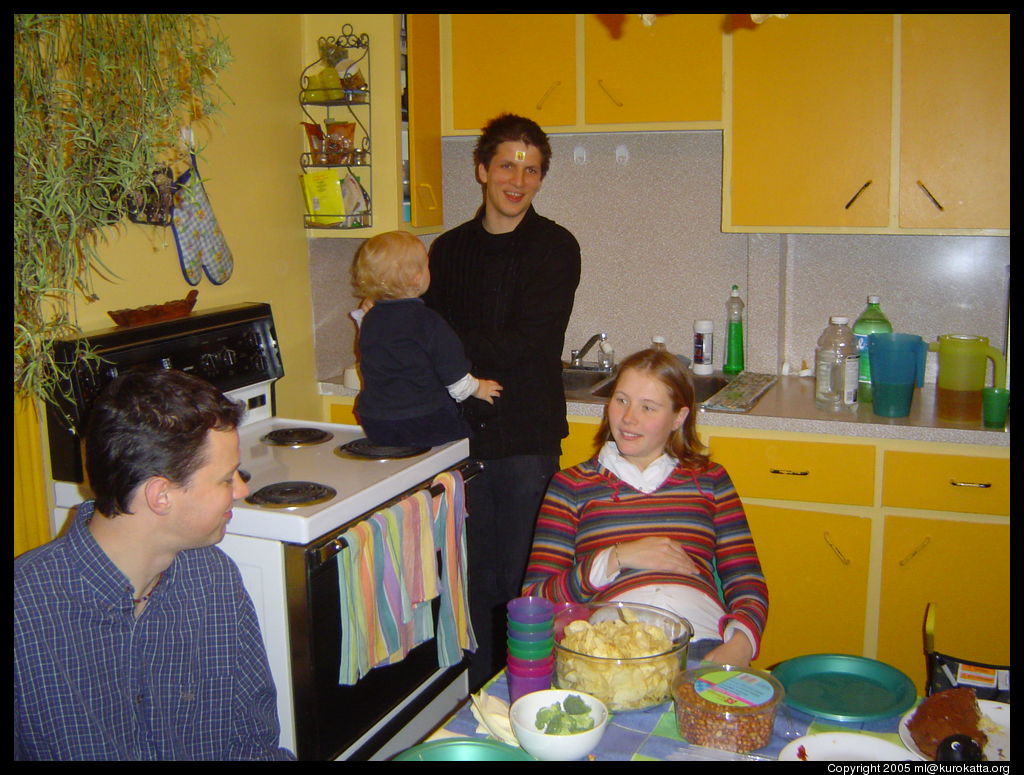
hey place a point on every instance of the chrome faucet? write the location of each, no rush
(576, 356)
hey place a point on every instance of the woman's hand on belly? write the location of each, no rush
(653, 553)
(735, 651)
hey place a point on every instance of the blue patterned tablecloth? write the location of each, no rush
(652, 734)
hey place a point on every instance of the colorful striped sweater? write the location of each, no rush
(587, 508)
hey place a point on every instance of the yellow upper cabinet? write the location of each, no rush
(811, 122)
(513, 63)
(870, 123)
(670, 71)
(955, 121)
(423, 45)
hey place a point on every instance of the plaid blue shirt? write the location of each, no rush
(188, 679)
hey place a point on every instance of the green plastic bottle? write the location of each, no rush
(871, 321)
(734, 333)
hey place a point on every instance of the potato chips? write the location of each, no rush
(634, 666)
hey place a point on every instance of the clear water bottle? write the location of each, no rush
(836, 367)
(658, 343)
(871, 321)
(734, 333)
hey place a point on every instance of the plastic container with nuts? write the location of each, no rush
(726, 707)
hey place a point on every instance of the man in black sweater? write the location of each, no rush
(505, 281)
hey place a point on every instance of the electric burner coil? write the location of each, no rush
(296, 437)
(284, 495)
(365, 449)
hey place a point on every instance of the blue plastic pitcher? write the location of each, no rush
(897, 367)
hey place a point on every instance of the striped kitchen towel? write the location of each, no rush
(454, 629)
(387, 579)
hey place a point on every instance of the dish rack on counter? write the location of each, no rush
(332, 173)
(741, 393)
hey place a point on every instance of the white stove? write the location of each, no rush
(360, 484)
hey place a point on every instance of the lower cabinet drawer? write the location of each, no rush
(961, 483)
(819, 472)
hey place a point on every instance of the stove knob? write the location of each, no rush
(208, 364)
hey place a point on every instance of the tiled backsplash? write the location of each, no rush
(655, 259)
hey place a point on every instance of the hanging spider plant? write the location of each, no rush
(99, 101)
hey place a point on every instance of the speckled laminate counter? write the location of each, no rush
(789, 406)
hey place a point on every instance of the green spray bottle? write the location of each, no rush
(734, 333)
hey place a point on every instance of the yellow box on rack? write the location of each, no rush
(324, 202)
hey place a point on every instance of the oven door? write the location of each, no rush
(391, 708)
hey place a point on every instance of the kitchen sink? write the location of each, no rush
(581, 379)
(703, 387)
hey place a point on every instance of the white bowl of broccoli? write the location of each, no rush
(558, 724)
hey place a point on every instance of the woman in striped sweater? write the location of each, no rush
(651, 520)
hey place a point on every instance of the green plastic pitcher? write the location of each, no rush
(962, 366)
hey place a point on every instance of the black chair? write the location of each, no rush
(990, 682)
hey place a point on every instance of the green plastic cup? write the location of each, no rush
(542, 626)
(995, 402)
(521, 649)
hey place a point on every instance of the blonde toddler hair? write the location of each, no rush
(386, 266)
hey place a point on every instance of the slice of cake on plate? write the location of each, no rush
(950, 712)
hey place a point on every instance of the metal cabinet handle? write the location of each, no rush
(788, 472)
(610, 95)
(854, 197)
(929, 193)
(913, 554)
(842, 558)
(555, 85)
(982, 485)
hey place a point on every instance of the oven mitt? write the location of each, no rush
(199, 239)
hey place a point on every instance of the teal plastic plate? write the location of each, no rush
(843, 687)
(463, 749)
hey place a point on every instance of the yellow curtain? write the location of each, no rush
(31, 520)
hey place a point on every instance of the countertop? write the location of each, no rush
(789, 406)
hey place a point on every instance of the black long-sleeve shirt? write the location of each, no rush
(509, 297)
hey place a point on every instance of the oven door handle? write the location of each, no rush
(325, 552)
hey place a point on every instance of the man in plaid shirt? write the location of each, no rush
(134, 638)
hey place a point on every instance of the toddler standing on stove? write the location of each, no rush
(413, 366)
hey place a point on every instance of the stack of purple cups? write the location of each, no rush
(531, 645)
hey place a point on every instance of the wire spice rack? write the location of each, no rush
(335, 83)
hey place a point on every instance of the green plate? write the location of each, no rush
(843, 687)
(463, 749)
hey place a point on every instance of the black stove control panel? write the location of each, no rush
(230, 347)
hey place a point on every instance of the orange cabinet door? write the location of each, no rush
(962, 567)
(522, 63)
(816, 568)
(424, 62)
(668, 71)
(812, 121)
(955, 121)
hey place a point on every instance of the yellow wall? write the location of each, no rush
(251, 164)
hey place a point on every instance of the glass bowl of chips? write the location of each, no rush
(625, 654)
